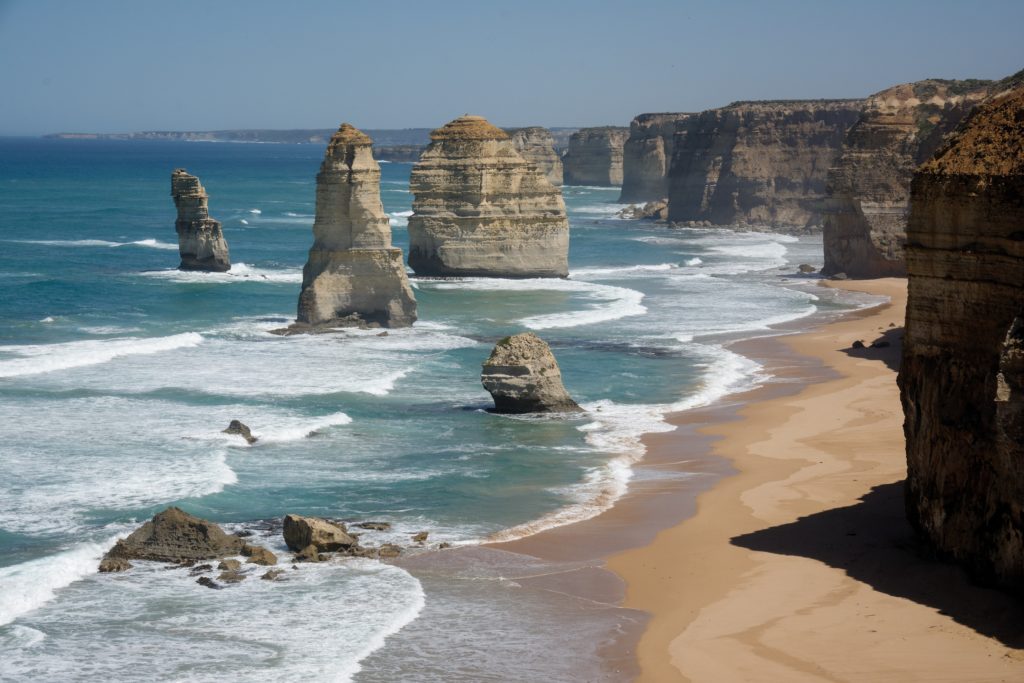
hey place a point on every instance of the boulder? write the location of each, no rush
(231, 576)
(208, 582)
(300, 532)
(522, 376)
(421, 537)
(229, 565)
(176, 536)
(806, 268)
(242, 430)
(307, 554)
(114, 564)
(272, 575)
(258, 555)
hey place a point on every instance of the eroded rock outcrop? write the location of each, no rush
(174, 536)
(865, 215)
(201, 243)
(594, 156)
(302, 532)
(353, 276)
(536, 145)
(647, 155)
(480, 209)
(522, 376)
(962, 374)
(758, 164)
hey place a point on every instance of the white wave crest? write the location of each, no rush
(151, 243)
(33, 360)
(300, 429)
(239, 272)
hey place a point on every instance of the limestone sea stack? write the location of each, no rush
(480, 209)
(522, 376)
(646, 156)
(962, 376)
(868, 193)
(536, 145)
(594, 156)
(353, 276)
(201, 242)
(758, 164)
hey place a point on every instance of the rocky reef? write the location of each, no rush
(962, 375)
(480, 209)
(594, 156)
(537, 145)
(201, 242)
(758, 164)
(522, 376)
(353, 276)
(865, 215)
(647, 155)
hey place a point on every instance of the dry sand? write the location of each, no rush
(800, 566)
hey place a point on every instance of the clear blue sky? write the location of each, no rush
(109, 66)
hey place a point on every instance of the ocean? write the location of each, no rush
(118, 373)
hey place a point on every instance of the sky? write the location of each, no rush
(130, 65)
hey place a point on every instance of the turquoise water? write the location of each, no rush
(117, 373)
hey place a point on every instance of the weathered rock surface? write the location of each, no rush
(537, 145)
(480, 209)
(594, 156)
(759, 164)
(258, 555)
(652, 211)
(353, 275)
(647, 155)
(522, 376)
(962, 375)
(201, 243)
(175, 536)
(301, 532)
(241, 429)
(865, 214)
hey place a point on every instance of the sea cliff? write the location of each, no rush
(594, 156)
(647, 155)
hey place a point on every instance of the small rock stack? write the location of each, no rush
(522, 376)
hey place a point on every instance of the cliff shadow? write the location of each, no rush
(872, 542)
(885, 347)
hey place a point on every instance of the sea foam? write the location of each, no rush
(16, 361)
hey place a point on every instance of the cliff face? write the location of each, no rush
(353, 274)
(647, 155)
(868, 200)
(762, 164)
(594, 156)
(480, 209)
(536, 145)
(201, 242)
(962, 377)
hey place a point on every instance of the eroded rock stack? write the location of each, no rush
(865, 219)
(758, 164)
(647, 155)
(594, 156)
(522, 376)
(201, 242)
(536, 145)
(353, 275)
(480, 209)
(962, 377)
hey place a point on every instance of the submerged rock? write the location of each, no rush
(258, 555)
(208, 582)
(176, 536)
(594, 156)
(242, 430)
(522, 376)
(114, 564)
(201, 243)
(300, 532)
(272, 575)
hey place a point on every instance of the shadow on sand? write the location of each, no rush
(885, 347)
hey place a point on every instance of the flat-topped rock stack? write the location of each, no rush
(354, 276)
(201, 243)
(480, 209)
(537, 145)
(594, 156)
(647, 155)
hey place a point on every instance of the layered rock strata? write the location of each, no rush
(353, 275)
(758, 164)
(536, 145)
(962, 376)
(201, 243)
(480, 209)
(865, 215)
(522, 376)
(594, 156)
(647, 155)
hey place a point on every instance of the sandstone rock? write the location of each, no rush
(961, 375)
(647, 155)
(656, 210)
(258, 555)
(374, 526)
(300, 532)
(201, 243)
(594, 156)
(272, 575)
(537, 146)
(761, 164)
(175, 536)
(389, 550)
(231, 576)
(865, 214)
(522, 376)
(421, 537)
(229, 565)
(242, 430)
(114, 564)
(307, 554)
(806, 268)
(208, 582)
(480, 209)
(353, 273)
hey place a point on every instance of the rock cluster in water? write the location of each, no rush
(522, 376)
(594, 156)
(962, 375)
(865, 217)
(647, 155)
(201, 242)
(480, 209)
(353, 276)
(536, 145)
